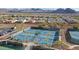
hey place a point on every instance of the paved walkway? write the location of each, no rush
(63, 38)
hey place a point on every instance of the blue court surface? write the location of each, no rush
(38, 35)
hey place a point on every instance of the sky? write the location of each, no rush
(77, 9)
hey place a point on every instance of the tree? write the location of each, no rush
(61, 44)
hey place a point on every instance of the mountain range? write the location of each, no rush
(24, 10)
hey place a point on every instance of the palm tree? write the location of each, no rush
(58, 43)
(61, 45)
(47, 23)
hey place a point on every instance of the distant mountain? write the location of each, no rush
(29, 10)
(60, 10)
(3, 10)
(67, 10)
(23, 10)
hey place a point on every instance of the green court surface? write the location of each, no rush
(5, 48)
